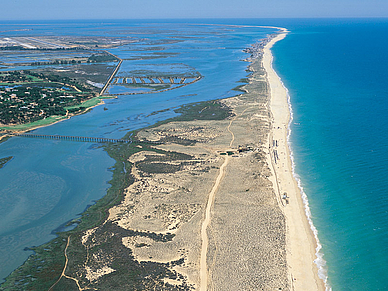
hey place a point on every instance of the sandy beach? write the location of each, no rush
(217, 186)
(301, 243)
(204, 209)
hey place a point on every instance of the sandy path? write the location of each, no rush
(206, 221)
(63, 275)
(300, 240)
(205, 224)
(64, 268)
(204, 238)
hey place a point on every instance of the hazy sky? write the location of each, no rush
(131, 9)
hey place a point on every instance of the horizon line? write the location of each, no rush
(200, 18)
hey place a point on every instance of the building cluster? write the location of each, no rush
(27, 96)
(256, 49)
(21, 104)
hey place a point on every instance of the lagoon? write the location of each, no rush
(50, 182)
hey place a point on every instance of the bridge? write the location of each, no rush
(73, 138)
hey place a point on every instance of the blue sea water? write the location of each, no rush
(336, 74)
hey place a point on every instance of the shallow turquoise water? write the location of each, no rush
(336, 73)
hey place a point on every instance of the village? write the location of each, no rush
(27, 97)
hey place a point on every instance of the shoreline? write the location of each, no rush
(55, 119)
(305, 267)
(305, 273)
(261, 232)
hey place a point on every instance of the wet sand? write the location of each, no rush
(301, 243)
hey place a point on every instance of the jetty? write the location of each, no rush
(112, 75)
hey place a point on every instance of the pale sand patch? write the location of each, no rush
(93, 275)
(170, 202)
(87, 234)
(300, 239)
(141, 156)
(246, 234)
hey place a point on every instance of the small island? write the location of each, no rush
(3, 161)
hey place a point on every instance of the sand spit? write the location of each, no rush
(228, 225)
(205, 210)
(301, 243)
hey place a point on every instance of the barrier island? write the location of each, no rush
(194, 204)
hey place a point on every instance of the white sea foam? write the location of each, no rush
(319, 261)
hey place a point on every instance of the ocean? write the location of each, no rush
(336, 73)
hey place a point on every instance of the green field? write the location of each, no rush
(52, 119)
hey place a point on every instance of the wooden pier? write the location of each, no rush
(74, 138)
